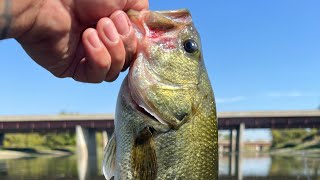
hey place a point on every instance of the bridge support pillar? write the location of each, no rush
(86, 142)
(239, 142)
(1, 139)
(232, 141)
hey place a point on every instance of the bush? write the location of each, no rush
(34, 140)
(290, 136)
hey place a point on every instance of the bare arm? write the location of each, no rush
(17, 16)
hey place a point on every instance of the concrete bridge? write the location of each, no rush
(236, 122)
(86, 125)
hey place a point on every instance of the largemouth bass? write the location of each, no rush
(165, 123)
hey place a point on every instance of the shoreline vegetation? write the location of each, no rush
(300, 142)
(22, 145)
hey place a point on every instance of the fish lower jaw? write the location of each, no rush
(153, 115)
(141, 106)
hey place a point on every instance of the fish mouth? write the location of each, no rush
(144, 108)
(146, 113)
(154, 123)
(158, 19)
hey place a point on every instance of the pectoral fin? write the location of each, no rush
(108, 164)
(144, 156)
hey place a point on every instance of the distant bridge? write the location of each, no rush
(100, 122)
(270, 119)
(236, 122)
(87, 125)
(55, 123)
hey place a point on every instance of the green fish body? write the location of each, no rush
(165, 123)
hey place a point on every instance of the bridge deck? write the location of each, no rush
(270, 119)
(56, 123)
(227, 120)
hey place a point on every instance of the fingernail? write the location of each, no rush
(122, 23)
(94, 39)
(110, 31)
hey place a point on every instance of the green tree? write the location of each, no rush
(282, 137)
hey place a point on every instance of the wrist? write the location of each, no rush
(17, 17)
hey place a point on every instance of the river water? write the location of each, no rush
(254, 166)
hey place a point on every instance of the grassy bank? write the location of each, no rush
(36, 144)
(296, 141)
(40, 141)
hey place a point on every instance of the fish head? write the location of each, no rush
(164, 78)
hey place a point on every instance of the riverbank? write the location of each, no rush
(16, 153)
(294, 152)
(299, 142)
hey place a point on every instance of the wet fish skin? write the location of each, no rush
(165, 123)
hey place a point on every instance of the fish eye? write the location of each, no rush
(190, 46)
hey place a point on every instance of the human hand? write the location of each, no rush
(88, 40)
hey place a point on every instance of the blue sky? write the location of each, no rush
(260, 55)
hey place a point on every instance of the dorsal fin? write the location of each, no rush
(144, 156)
(108, 163)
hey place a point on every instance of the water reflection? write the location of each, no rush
(257, 166)
(264, 166)
(39, 168)
(87, 167)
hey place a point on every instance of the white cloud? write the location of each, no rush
(271, 94)
(291, 94)
(230, 100)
